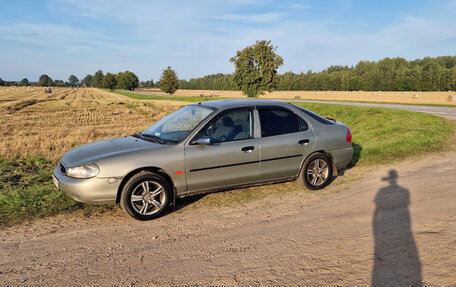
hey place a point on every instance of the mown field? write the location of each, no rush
(37, 128)
(420, 98)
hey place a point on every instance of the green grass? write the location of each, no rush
(137, 96)
(374, 102)
(379, 136)
(387, 135)
(27, 192)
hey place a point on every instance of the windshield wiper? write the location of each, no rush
(138, 135)
(155, 138)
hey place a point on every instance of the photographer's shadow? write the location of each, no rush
(396, 259)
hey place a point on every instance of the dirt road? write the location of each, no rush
(398, 224)
(394, 227)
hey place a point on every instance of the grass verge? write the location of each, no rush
(379, 136)
(27, 192)
(371, 102)
(138, 96)
(387, 135)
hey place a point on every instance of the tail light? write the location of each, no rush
(349, 136)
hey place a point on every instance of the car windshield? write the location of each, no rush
(178, 125)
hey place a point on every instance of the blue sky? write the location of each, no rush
(198, 37)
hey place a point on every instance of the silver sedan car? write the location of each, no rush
(205, 147)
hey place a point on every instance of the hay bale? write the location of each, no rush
(298, 97)
(452, 98)
(416, 96)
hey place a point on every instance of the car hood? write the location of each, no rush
(99, 150)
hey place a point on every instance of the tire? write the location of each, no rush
(145, 196)
(316, 172)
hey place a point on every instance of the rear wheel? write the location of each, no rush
(145, 196)
(316, 172)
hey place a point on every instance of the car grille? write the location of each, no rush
(62, 168)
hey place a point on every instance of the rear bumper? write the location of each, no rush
(92, 190)
(342, 157)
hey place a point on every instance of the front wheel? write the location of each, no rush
(145, 196)
(316, 172)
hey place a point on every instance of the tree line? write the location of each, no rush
(388, 74)
(123, 80)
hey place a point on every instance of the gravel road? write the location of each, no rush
(446, 112)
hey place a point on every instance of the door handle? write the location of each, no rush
(248, 148)
(304, 142)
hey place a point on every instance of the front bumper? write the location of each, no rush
(92, 190)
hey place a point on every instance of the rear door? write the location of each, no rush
(233, 158)
(286, 139)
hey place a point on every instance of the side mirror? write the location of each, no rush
(204, 141)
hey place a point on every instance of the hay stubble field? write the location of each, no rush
(414, 97)
(37, 124)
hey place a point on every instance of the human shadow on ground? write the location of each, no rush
(396, 258)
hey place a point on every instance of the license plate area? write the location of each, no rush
(56, 181)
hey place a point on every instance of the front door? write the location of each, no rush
(232, 160)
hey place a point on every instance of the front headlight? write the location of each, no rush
(83, 171)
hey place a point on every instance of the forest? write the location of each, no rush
(388, 74)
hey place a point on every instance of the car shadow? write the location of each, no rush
(357, 149)
(396, 258)
(183, 202)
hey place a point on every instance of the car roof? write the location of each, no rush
(219, 104)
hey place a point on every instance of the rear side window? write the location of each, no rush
(303, 126)
(277, 122)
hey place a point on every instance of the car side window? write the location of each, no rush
(278, 122)
(303, 126)
(230, 125)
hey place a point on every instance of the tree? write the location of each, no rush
(60, 83)
(2, 83)
(73, 80)
(147, 84)
(256, 68)
(24, 82)
(109, 81)
(127, 81)
(45, 80)
(87, 80)
(168, 81)
(97, 79)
